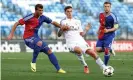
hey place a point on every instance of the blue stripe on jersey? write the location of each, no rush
(28, 17)
(114, 17)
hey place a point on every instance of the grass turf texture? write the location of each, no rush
(16, 66)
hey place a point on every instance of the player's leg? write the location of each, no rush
(87, 49)
(100, 48)
(106, 55)
(112, 51)
(33, 63)
(107, 47)
(51, 57)
(93, 54)
(80, 58)
(32, 43)
(83, 62)
(78, 51)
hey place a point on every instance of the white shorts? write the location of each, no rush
(84, 46)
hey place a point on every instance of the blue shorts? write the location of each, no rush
(32, 43)
(105, 43)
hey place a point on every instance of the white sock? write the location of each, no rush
(100, 63)
(82, 60)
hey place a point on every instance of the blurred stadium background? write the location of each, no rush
(16, 66)
(85, 10)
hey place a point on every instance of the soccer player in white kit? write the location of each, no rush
(74, 39)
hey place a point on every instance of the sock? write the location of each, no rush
(82, 60)
(35, 54)
(100, 63)
(106, 56)
(54, 61)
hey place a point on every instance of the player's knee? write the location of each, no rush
(99, 49)
(39, 43)
(106, 50)
(77, 50)
(49, 51)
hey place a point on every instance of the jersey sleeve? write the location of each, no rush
(21, 21)
(47, 19)
(115, 19)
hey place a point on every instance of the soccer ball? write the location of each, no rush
(108, 71)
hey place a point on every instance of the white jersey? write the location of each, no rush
(72, 35)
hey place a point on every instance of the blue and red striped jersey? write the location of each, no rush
(110, 20)
(32, 24)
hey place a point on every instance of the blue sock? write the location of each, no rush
(35, 54)
(54, 61)
(106, 59)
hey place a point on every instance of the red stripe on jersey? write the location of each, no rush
(30, 26)
(102, 25)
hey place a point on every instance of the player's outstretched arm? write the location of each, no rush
(86, 29)
(56, 24)
(62, 27)
(10, 36)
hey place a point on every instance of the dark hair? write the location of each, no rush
(107, 3)
(38, 6)
(67, 7)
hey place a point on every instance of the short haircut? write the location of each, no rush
(107, 3)
(38, 6)
(67, 7)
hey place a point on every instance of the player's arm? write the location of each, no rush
(60, 32)
(86, 29)
(20, 22)
(56, 24)
(10, 36)
(62, 27)
(116, 26)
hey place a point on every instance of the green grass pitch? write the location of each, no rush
(16, 66)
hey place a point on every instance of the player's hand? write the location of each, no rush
(10, 36)
(88, 27)
(65, 28)
(106, 30)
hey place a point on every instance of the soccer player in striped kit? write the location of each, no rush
(32, 24)
(106, 32)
